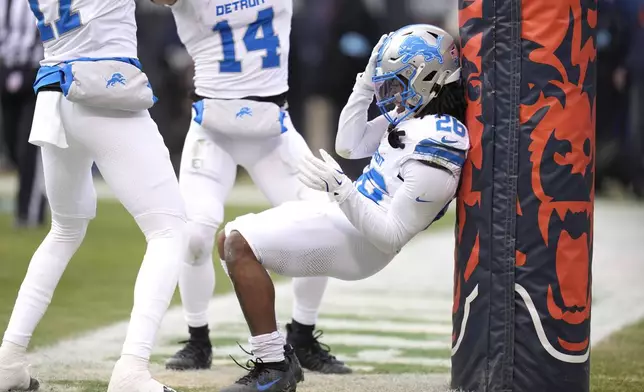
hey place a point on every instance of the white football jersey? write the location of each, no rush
(72, 29)
(442, 141)
(240, 47)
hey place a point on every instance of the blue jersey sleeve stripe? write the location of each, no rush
(458, 158)
(432, 142)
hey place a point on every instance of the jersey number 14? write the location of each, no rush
(67, 21)
(268, 42)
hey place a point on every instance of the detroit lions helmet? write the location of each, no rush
(411, 67)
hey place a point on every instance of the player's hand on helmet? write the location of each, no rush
(365, 79)
(325, 175)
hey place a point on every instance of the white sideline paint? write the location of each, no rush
(416, 286)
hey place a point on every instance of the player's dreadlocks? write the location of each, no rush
(450, 101)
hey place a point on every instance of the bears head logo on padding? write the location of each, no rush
(414, 46)
(555, 206)
(116, 78)
(558, 113)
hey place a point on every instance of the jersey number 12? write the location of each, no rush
(268, 42)
(67, 21)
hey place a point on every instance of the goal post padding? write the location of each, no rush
(522, 286)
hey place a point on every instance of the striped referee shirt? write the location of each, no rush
(20, 44)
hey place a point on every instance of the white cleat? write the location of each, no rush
(131, 374)
(15, 377)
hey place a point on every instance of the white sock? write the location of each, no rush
(308, 293)
(14, 368)
(197, 284)
(133, 362)
(131, 374)
(197, 278)
(45, 270)
(155, 283)
(11, 351)
(268, 347)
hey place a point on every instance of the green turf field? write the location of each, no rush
(97, 287)
(617, 364)
(97, 290)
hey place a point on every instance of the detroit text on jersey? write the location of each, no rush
(240, 48)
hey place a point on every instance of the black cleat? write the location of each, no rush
(291, 358)
(195, 355)
(34, 385)
(312, 354)
(266, 377)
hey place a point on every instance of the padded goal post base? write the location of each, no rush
(522, 288)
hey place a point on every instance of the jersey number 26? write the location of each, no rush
(67, 21)
(268, 42)
(449, 124)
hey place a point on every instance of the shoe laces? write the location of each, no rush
(190, 347)
(320, 349)
(254, 367)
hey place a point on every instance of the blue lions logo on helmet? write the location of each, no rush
(413, 46)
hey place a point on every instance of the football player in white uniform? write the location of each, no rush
(240, 50)
(92, 108)
(418, 147)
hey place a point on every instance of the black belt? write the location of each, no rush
(51, 87)
(279, 100)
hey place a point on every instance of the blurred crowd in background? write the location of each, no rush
(620, 95)
(331, 41)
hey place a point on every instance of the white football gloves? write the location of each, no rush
(364, 80)
(325, 175)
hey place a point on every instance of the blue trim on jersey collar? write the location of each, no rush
(62, 73)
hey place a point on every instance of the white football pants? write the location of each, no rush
(135, 163)
(208, 169)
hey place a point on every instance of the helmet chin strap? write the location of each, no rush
(411, 82)
(443, 79)
(453, 77)
(419, 71)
